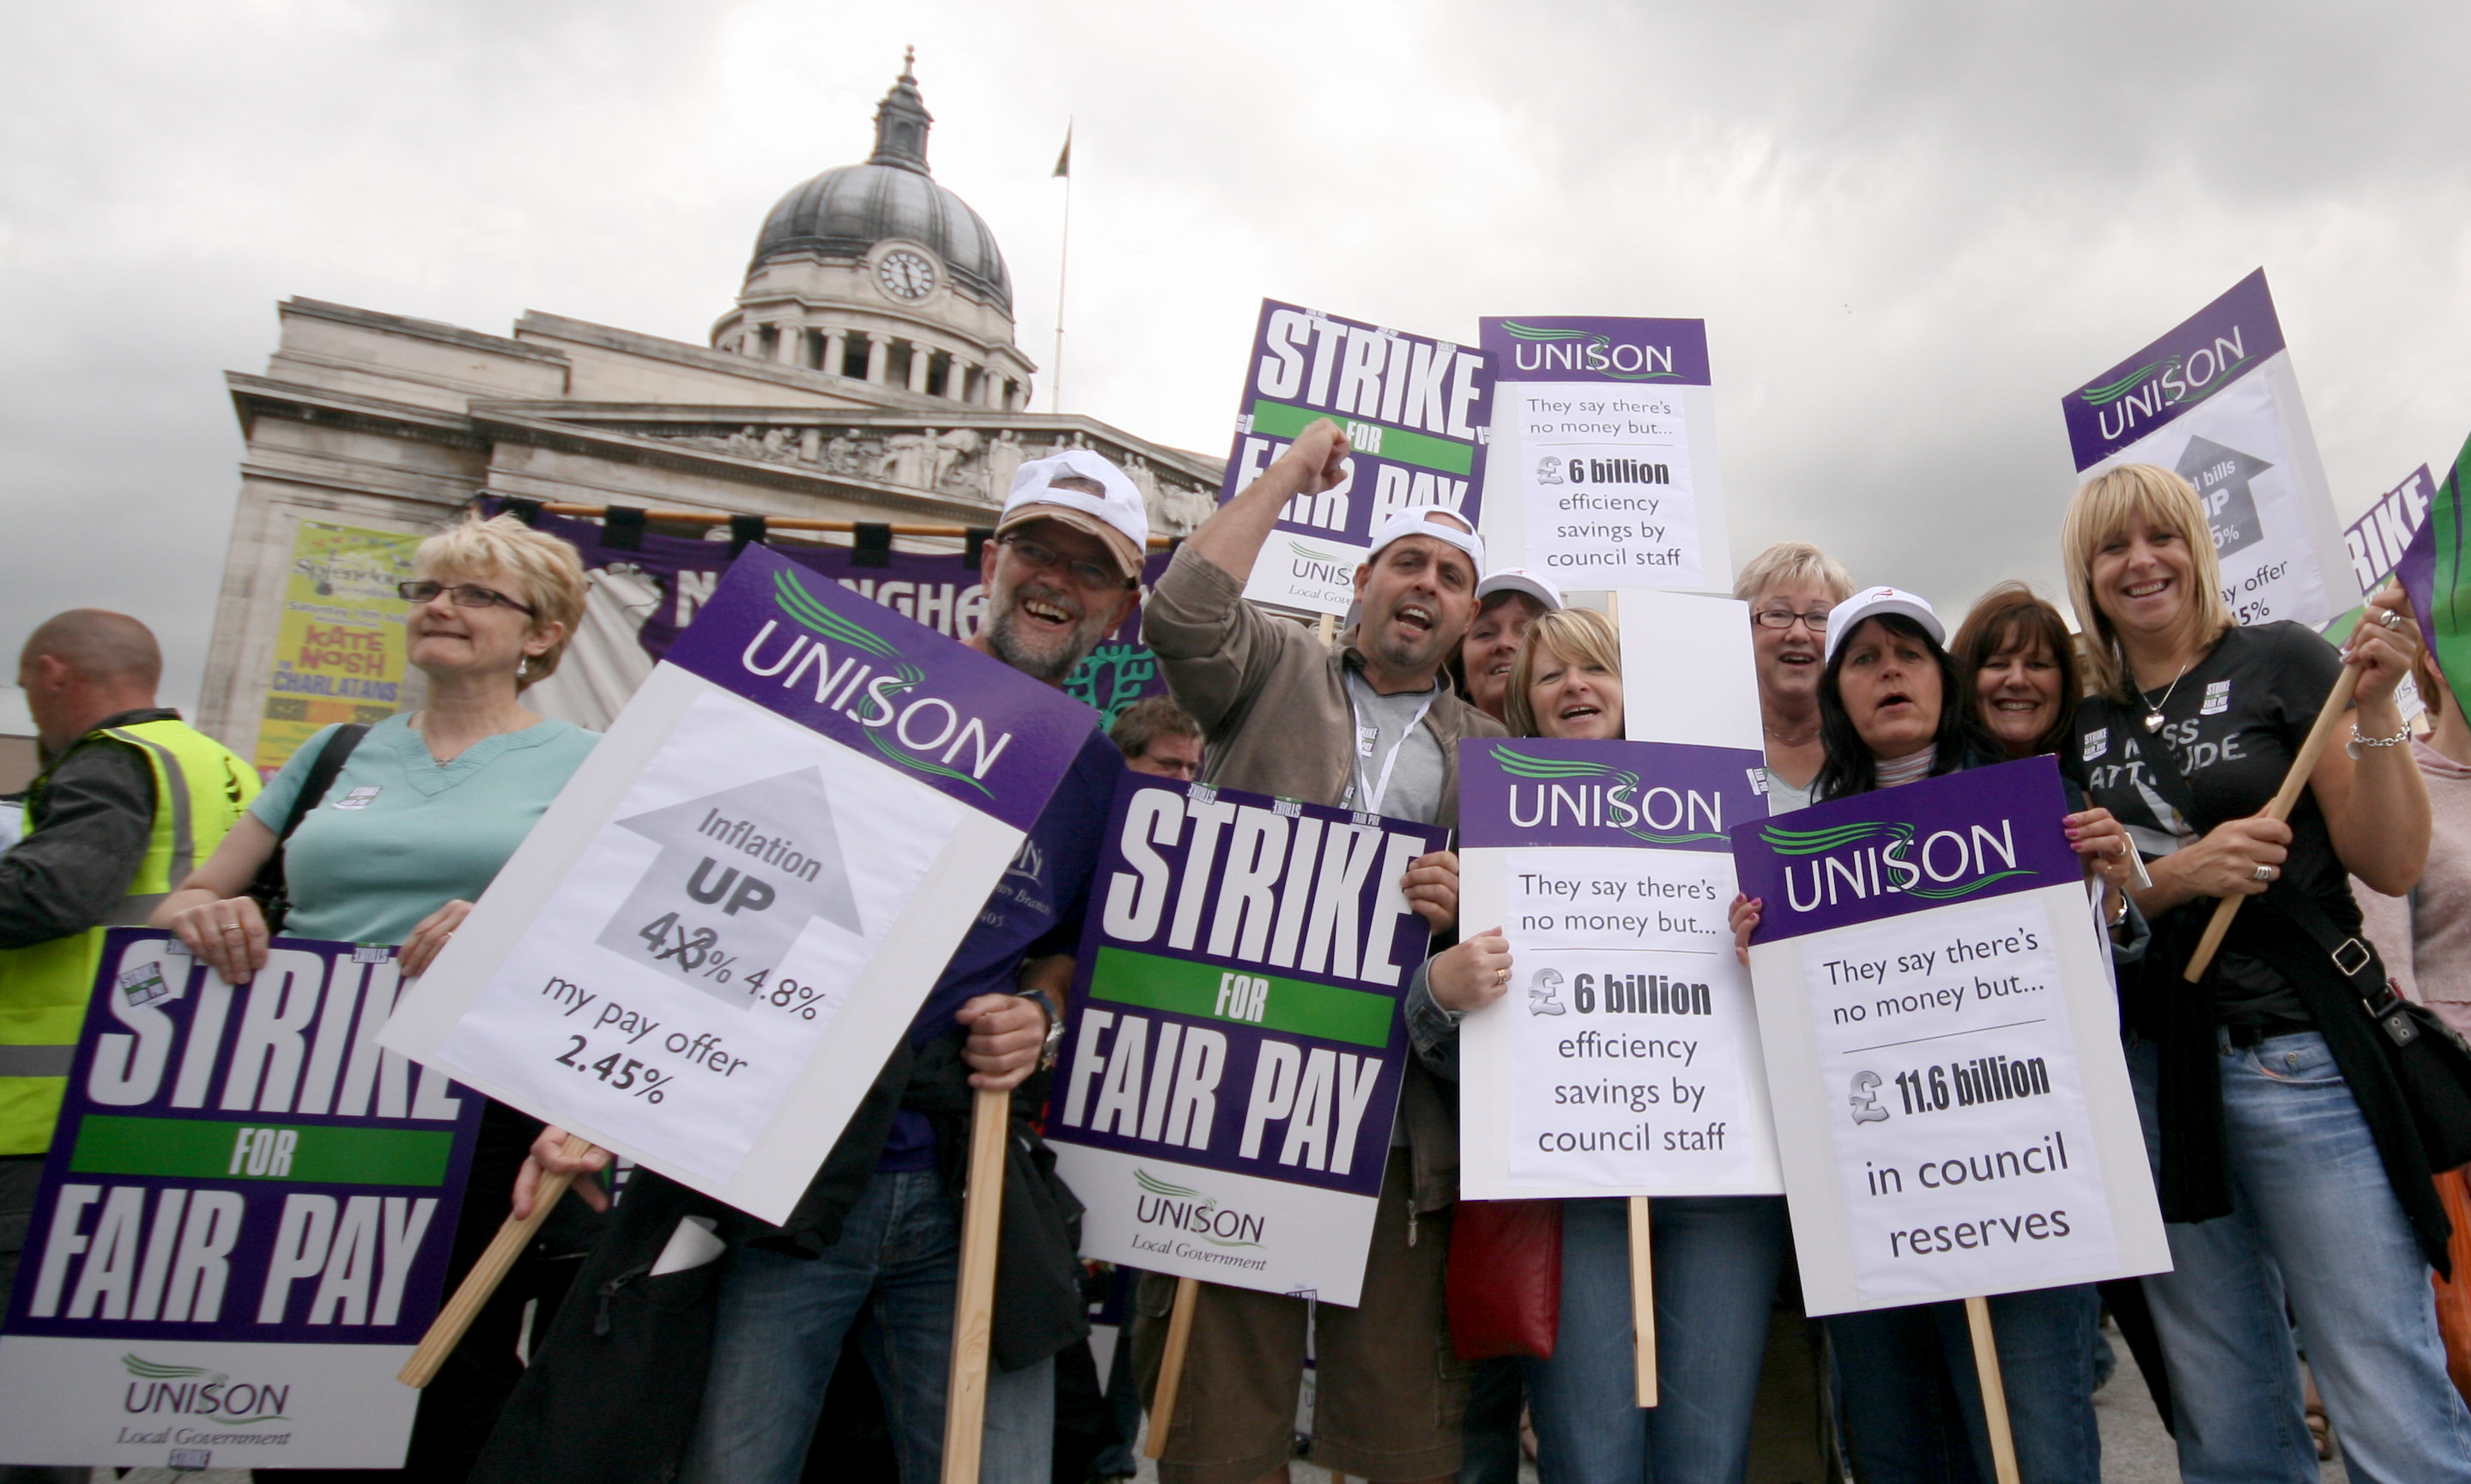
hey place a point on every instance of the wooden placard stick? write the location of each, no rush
(1329, 629)
(446, 1330)
(1994, 1391)
(1170, 1378)
(974, 1296)
(2329, 720)
(1642, 1302)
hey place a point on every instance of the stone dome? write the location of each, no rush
(844, 212)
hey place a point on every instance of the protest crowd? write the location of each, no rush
(648, 1329)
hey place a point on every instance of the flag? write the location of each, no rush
(2435, 572)
(1064, 161)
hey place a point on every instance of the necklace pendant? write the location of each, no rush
(2154, 721)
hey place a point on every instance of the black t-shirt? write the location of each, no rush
(2233, 723)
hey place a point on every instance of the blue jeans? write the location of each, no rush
(1912, 1402)
(2317, 1225)
(779, 1328)
(1716, 1259)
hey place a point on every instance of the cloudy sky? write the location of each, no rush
(1909, 228)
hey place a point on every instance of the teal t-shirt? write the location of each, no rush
(400, 835)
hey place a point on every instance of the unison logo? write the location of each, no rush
(906, 731)
(1598, 795)
(2175, 379)
(1543, 349)
(1875, 859)
(196, 1391)
(1182, 1209)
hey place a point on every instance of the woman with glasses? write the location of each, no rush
(426, 809)
(1790, 587)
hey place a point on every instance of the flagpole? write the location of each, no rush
(1063, 258)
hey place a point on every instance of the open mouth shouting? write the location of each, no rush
(1413, 617)
(1578, 711)
(1891, 701)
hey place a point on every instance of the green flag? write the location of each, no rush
(2435, 572)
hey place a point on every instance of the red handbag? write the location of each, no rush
(1504, 1285)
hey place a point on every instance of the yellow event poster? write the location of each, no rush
(338, 650)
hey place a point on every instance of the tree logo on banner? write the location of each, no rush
(1598, 356)
(800, 607)
(1842, 863)
(1182, 1209)
(1619, 805)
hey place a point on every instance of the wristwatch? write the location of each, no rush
(1053, 1046)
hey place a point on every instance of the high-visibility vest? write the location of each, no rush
(201, 789)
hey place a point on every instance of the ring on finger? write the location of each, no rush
(2389, 619)
(2263, 872)
(1501, 976)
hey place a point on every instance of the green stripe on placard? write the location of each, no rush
(1295, 1006)
(202, 1150)
(1279, 420)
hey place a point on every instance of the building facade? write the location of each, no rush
(867, 371)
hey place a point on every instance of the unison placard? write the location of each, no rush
(243, 1221)
(1418, 415)
(2216, 400)
(1943, 1048)
(1224, 1102)
(1604, 459)
(702, 955)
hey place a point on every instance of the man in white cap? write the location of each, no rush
(873, 1245)
(1369, 723)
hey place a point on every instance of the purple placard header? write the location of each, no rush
(1236, 1002)
(884, 686)
(2378, 539)
(243, 1162)
(1417, 412)
(1595, 348)
(2211, 349)
(1963, 838)
(1667, 795)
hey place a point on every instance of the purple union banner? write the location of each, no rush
(1236, 1002)
(1662, 795)
(1595, 348)
(2200, 356)
(1963, 838)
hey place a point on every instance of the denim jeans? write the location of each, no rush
(1716, 1262)
(1912, 1402)
(2317, 1225)
(779, 1328)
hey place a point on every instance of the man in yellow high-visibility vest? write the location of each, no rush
(130, 798)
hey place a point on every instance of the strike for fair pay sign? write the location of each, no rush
(1225, 1098)
(243, 1221)
(1624, 1059)
(1941, 1042)
(702, 955)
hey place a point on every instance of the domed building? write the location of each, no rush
(866, 372)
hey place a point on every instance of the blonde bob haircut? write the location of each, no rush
(545, 568)
(2101, 510)
(1793, 561)
(1575, 636)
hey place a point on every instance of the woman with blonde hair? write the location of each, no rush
(1716, 1257)
(423, 811)
(2290, 1170)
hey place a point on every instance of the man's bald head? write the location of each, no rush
(98, 646)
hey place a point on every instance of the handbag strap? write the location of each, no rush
(270, 884)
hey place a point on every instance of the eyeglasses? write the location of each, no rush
(465, 595)
(1088, 574)
(1786, 618)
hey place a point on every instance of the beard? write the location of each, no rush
(1047, 656)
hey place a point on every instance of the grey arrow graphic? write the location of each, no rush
(738, 875)
(2221, 475)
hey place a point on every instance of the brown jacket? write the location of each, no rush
(1272, 703)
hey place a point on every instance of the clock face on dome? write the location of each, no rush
(905, 274)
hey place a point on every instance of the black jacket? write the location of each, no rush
(612, 1393)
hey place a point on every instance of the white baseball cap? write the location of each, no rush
(1418, 520)
(1119, 518)
(1872, 601)
(1519, 580)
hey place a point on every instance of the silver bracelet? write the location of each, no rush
(2357, 742)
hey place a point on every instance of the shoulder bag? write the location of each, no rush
(270, 891)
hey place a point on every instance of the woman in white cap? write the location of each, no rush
(1507, 600)
(1892, 711)
(2290, 1168)
(1717, 1257)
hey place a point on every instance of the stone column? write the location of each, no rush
(784, 347)
(832, 353)
(918, 357)
(956, 381)
(991, 390)
(878, 353)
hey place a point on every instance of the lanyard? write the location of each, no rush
(1369, 795)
